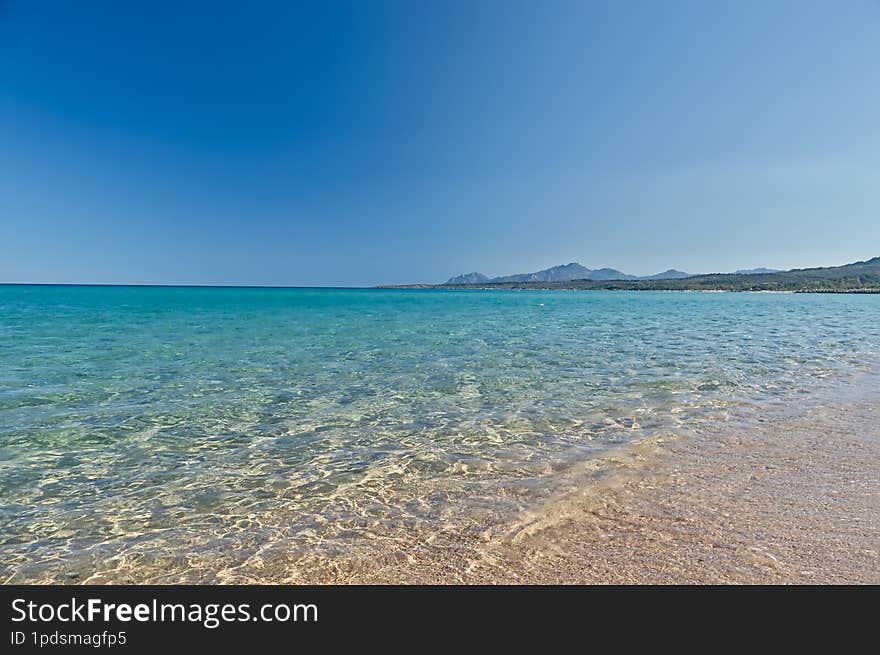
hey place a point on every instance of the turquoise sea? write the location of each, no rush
(243, 434)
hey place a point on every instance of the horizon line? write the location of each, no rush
(181, 286)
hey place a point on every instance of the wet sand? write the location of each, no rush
(796, 500)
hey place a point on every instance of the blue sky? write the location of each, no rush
(361, 143)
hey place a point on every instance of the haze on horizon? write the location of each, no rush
(343, 143)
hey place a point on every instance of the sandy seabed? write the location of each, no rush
(791, 497)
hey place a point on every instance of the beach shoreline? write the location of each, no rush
(795, 501)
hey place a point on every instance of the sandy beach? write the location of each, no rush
(796, 501)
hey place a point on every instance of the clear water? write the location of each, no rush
(204, 433)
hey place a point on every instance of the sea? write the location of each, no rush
(223, 434)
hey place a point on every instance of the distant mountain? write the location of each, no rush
(468, 278)
(756, 271)
(563, 273)
(671, 274)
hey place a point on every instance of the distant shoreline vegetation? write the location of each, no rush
(858, 277)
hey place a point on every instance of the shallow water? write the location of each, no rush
(202, 433)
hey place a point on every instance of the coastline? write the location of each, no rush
(795, 501)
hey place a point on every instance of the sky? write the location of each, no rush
(361, 143)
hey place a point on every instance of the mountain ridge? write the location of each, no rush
(560, 273)
(856, 277)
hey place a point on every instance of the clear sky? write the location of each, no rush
(360, 143)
